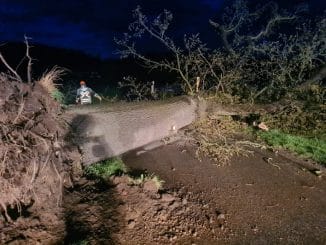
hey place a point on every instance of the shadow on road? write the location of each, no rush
(90, 206)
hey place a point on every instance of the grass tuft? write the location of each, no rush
(48, 80)
(144, 178)
(107, 168)
(313, 148)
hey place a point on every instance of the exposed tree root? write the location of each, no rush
(32, 163)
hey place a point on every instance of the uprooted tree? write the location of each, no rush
(35, 161)
(265, 53)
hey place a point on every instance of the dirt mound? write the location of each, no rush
(34, 163)
(117, 212)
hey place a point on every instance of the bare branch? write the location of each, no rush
(17, 77)
(258, 64)
(184, 58)
(29, 65)
(271, 23)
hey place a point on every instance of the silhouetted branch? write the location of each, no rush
(29, 58)
(271, 23)
(16, 76)
(14, 72)
(255, 60)
(186, 63)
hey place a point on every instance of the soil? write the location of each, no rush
(266, 198)
(36, 164)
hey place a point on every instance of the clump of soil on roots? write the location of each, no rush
(35, 164)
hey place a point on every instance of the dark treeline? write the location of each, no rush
(99, 73)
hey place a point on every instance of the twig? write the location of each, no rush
(42, 139)
(9, 68)
(269, 160)
(275, 165)
(34, 171)
(269, 26)
(60, 185)
(46, 161)
(249, 143)
(20, 111)
(20, 63)
(5, 212)
(3, 167)
(29, 65)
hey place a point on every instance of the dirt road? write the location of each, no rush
(266, 199)
(262, 199)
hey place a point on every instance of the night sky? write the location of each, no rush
(90, 25)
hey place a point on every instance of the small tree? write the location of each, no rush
(187, 61)
(273, 58)
(266, 51)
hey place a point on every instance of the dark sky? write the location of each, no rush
(90, 25)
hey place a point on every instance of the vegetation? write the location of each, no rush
(58, 96)
(115, 166)
(266, 52)
(303, 114)
(145, 178)
(294, 119)
(82, 242)
(215, 138)
(136, 90)
(308, 147)
(48, 82)
(107, 168)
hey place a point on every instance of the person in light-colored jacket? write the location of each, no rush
(85, 94)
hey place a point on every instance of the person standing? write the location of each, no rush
(85, 94)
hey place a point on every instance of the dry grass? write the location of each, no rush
(146, 178)
(48, 79)
(215, 138)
